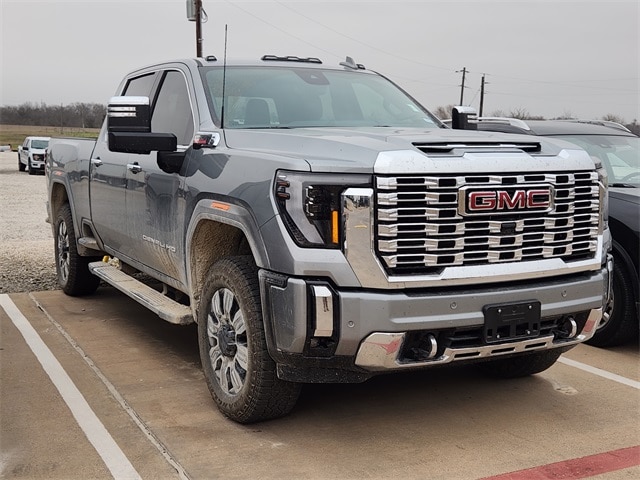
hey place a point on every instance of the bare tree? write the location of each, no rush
(609, 117)
(443, 112)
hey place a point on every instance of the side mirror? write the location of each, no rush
(129, 114)
(129, 128)
(464, 118)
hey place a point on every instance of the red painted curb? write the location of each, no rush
(579, 467)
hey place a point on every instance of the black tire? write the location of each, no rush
(21, 166)
(240, 374)
(620, 320)
(74, 276)
(522, 365)
(31, 170)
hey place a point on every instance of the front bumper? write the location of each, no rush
(310, 320)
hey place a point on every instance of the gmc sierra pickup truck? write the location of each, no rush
(320, 225)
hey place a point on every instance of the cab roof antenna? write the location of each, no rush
(349, 63)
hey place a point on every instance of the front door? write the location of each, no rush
(155, 197)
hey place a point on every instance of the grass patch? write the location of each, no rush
(14, 135)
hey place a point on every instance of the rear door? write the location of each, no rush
(155, 194)
(108, 180)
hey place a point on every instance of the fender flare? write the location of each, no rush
(231, 214)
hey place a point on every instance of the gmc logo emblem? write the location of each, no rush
(508, 200)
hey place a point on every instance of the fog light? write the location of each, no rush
(568, 328)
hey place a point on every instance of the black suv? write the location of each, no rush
(619, 151)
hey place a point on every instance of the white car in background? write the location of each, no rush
(31, 154)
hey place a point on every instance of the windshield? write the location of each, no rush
(620, 155)
(39, 144)
(277, 97)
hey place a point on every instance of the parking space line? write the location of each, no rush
(139, 422)
(104, 444)
(600, 372)
(584, 467)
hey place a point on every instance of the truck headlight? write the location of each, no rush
(310, 205)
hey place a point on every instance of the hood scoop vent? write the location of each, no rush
(449, 147)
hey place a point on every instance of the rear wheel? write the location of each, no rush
(523, 365)
(240, 374)
(619, 320)
(72, 269)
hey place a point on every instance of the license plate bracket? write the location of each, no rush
(506, 321)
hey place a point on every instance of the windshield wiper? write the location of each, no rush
(623, 185)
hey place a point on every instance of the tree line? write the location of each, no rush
(91, 115)
(76, 115)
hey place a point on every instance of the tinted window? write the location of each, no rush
(172, 111)
(304, 97)
(619, 154)
(41, 144)
(140, 86)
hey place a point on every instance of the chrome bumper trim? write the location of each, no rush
(380, 351)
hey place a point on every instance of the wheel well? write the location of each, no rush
(58, 198)
(210, 242)
(625, 243)
(622, 257)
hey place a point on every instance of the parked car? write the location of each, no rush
(31, 154)
(619, 151)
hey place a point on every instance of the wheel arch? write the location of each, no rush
(621, 254)
(214, 234)
(58, 197)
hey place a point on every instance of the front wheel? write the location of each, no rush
(72, 269)
(523, 365)
(240, 374)
(31, 170)
(21, 166)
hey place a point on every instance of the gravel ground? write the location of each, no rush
(26, 241)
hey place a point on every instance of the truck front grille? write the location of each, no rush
(424, 225)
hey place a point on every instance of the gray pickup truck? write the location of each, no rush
(320, 225)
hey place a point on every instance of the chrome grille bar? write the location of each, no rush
(420, 225)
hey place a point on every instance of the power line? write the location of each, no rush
(377, 49)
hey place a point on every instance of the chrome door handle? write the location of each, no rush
(134, 167)
(96, 161)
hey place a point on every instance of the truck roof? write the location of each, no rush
(265, 60)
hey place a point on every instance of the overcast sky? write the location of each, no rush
(546, 58)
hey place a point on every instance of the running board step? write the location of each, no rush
(161, 305)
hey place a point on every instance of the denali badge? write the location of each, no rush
(475, 200)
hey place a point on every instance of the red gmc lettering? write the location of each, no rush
(505, 201)
(483, 201)
(538, 198)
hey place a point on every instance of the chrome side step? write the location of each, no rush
(161, 305)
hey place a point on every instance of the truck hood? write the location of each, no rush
(631, 195)
(334, 149)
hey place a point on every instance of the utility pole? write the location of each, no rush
(481, 96)
(198, 28)
(464, 74)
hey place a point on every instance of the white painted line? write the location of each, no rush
(146, 431)
(600, 373)
(113, 457)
